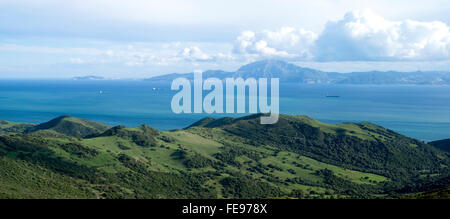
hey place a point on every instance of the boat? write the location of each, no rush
(331, 95)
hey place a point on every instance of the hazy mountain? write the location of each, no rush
(286, 72)
(89, 77)
(292, 73)
(190, 76)
(393, 77)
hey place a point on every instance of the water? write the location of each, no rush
(421, 112)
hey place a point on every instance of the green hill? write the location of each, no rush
(436, 189)
(13, 127)
(364, 146)
(298, 157)
(442, 144)
(143, 135)
(71, 126)
(436, 194)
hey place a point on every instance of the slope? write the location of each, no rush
(442, 144)
(70, 126)
(220, 158)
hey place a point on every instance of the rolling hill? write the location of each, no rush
(442, 144)
(298, 157)
(13, 127)
(69, 126)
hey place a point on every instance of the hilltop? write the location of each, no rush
(298, 157)
(70, 126)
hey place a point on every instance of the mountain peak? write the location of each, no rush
(266, 63)
(286, 72)
(265, 68)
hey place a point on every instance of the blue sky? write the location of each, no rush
(138, 38)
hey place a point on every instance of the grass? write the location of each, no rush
(351, 129)
(7, 124)
(21, 179)
(286, 160)
(195, 142)
(126, 169)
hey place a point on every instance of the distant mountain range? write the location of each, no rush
(89, 77)
(292, 73)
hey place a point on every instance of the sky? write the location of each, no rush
(144, 38)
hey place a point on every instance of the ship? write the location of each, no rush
(331, 95)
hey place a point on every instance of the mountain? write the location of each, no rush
(70, 126)
(190, 76)
(298, 157)
(392, 77)
(286, 72)
(295, 74)
(88, 78)
(442, 144)
(267, 68)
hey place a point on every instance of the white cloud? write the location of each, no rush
(286, 42)
(365, 36)
(110, 53)
(359, 36)
(50, 50)
(165, 54)
(76, 61)
(193, 53)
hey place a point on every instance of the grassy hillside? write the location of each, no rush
(442, 144)
(70, 126)
(363, 147)
(436, 194)
(13, 127)
(298, 157)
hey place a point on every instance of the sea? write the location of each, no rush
(418, 111)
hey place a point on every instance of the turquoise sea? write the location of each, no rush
(421, 112)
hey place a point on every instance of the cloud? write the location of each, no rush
(50, 49)
(76, 61)
(141, 54)
(193, 53)
(286, 42)
(365, 36)
(358, 36)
